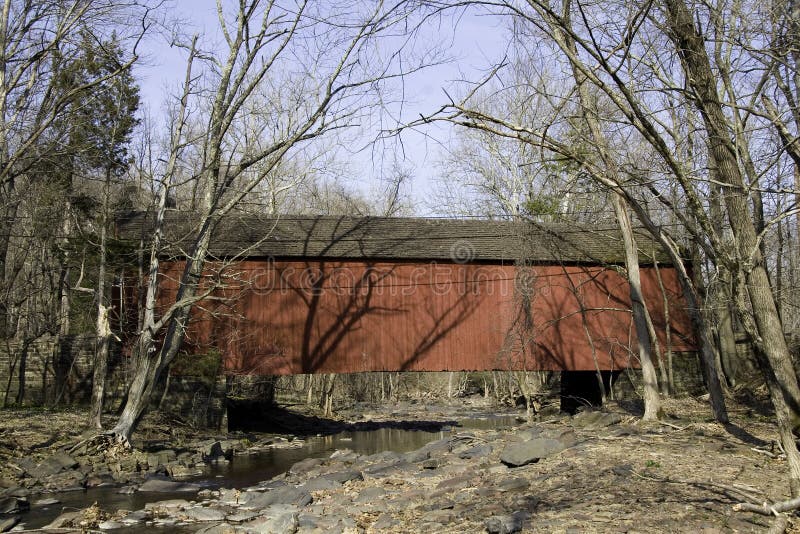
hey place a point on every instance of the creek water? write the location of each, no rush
(250, 469)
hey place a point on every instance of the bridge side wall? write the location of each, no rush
(318, 316)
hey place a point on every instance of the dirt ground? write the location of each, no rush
(683, 474)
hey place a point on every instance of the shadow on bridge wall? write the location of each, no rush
(276, 317)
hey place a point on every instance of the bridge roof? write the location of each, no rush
(393, 238)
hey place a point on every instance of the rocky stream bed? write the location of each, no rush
(593, 472)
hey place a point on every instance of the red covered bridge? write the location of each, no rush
(350, 294)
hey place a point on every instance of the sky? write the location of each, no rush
(474, 42)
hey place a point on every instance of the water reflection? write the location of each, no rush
(248, 470)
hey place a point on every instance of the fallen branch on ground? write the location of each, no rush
(767, 453)
(739, 491)
(767, 508)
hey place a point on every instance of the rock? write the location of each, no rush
(110, 525)
(344, 455)
(232, 446)
(285, 524)
(478, 451)
(344, 476)
(438, 447)
(17, 492)
(439, 516)
(309, 522)
(13, 505)
(222, 528)
(229, 496)
(203, 514)
(321, 483)
(241, 517)
(528, 433)
(567, 437)
(370, 494)
(513, 484)
(182, 471)
(455, 483)
(163, 485)
(385, 522)
(168, 506)
(431, 463)
(96, 481)
(383, 457)
(26, 465)
(8, 524)
(134, 518)
(304, 466)
(65, 520)
(46, 502)
(266, 486)
(162, 457)
(285, 495)
(505, 524)
(65, 481)
(594, 420)
(52, 465)
(520, 454)
(624, 470)
(214, 450)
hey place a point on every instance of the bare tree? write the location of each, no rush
(631, 63)
(321, 62)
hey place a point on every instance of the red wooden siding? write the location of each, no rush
(338, 316)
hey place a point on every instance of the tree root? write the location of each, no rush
(103, 442)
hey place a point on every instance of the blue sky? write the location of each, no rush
(474, 42)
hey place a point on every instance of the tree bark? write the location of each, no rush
(652, 399)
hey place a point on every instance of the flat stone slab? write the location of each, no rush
(168, 505)
(531, 451)
(590, 419)
(160, 485)
(203, 514)
(242, 516)
(284, 495)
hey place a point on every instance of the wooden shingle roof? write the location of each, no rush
(386, 238)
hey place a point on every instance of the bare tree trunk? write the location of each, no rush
(102, 327)
(670, 379)
(652, 400)
(326, 400)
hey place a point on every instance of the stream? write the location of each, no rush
(249, 469)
